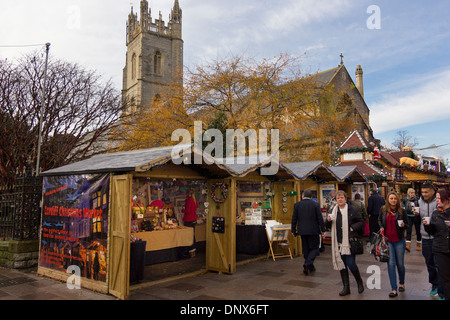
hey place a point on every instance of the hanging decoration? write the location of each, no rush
(218, 224)
(224, 188)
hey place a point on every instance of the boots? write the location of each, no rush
(359, 281)
(408, 246)
(346, 282)
(419, 246)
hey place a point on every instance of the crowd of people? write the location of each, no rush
(394, 218)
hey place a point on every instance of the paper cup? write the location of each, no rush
(400, 222)
(447, 222)
(427, 219)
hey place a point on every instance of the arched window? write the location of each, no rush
(133, 66)
(157, 69)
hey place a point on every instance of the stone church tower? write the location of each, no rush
(154, 55)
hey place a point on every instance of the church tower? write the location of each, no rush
(154, 56)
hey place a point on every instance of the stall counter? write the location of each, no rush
(167, 239)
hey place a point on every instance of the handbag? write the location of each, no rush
(356, 246)
(380, 247)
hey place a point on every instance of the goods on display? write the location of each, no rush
(160, 204)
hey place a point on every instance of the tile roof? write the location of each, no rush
(366, 168)
(355, 140)
(388, 156)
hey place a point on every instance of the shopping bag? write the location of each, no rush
(380, 247)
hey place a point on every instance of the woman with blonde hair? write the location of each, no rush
(393, 222)
(346, 223)
(411, 205)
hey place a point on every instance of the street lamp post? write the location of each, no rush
(41, 116)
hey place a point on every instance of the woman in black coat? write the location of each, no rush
(343, 258)
(439, 227)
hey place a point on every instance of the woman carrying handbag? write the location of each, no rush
(346, 224)
(393, 223)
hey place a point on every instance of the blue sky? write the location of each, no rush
(405, 61)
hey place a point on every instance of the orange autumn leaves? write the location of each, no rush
(242, 93)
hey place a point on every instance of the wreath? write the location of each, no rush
(224, 188)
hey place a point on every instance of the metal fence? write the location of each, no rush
(20, 211)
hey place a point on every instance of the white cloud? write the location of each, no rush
(426, 103)
(296, 14)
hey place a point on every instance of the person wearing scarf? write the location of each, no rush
(346, 223)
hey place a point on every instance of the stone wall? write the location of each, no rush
(19, 254)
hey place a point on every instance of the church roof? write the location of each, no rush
(326, 76)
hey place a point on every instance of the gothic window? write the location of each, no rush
(133, 66)
(157, 65)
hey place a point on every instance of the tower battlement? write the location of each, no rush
(156, 26)
(154, 58)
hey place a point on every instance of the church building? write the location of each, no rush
(154, 55)
(154, 61)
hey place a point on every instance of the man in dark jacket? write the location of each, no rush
(374, 205)
(307, 221)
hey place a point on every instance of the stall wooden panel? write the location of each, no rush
(221, 246)
(119, 236)
(283, 207)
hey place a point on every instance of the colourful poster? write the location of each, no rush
(75, 224)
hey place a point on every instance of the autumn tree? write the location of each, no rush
(79, 109)
(244, 93)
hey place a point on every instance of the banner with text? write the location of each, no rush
(75, 224)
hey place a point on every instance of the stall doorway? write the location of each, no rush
(253, 207)
(161, 245)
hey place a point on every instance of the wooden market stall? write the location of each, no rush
(257, 198)
(322, 180)
(352, 181)
(105, 202)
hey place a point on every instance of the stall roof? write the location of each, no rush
(351, 172)
(113, 162)
(145, 159)
(303, 170)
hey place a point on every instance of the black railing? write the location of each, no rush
(20, 211)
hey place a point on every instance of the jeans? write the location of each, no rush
(350, 261)
(430, 261)
(416, 222)
(396, 259)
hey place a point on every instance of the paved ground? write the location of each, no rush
(283, 280)
(260, 280)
